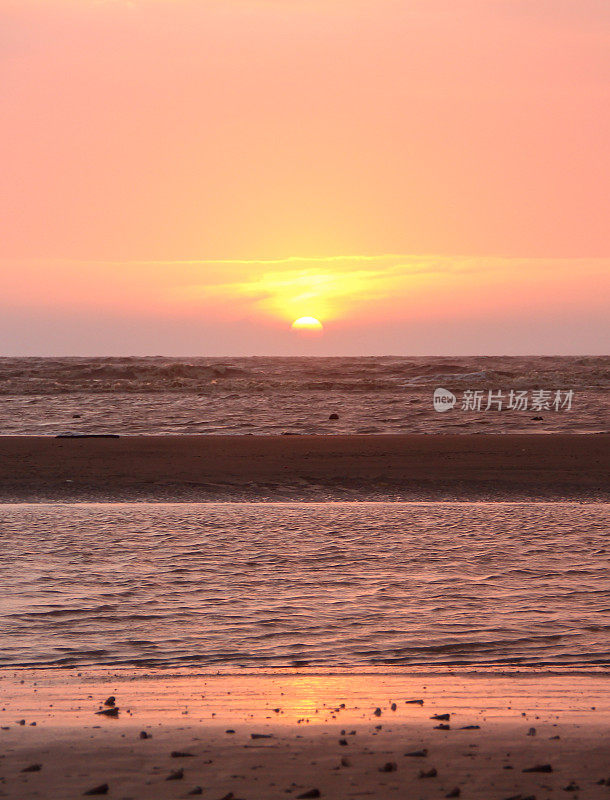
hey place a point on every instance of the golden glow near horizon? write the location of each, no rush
(310, 324)
(318, 288)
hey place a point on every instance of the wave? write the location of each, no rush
(150, 375)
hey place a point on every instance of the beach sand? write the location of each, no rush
(320, 732)
(468, 467)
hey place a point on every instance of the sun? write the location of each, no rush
(307, 325)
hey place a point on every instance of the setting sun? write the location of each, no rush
(310, 324)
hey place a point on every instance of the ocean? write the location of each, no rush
(49, 396)
(317, 585)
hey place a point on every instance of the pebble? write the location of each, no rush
(539, 768)
(175, 775)
(308, 794)
(109, 712)
(101, 789)
(431, 773)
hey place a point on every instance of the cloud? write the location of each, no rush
(333, 288)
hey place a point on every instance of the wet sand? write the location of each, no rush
(510, 466)
(318, 733)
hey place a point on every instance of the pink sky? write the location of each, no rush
(186, 177)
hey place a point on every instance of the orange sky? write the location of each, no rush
(188, 176)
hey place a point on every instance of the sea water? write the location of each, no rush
(333, 585)
(298, 395)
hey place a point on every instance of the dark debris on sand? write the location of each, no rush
(539, 768)
(101, 789)
(418, 753)
(108, 712)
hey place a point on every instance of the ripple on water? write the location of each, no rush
(337, 584)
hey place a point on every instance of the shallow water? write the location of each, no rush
(297, 395)
(329, 584)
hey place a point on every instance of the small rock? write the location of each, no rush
(144, 735)
(531, 732)
(310, 793)
(32, 768)
(418, 753)
(101, 789)
(110, 701)
(377, 712)
(345, 762)
(333, 416)
(195, 790)
(414, 702)
(343, 742)
(441, 716)
(571, 787)
(175, 775)
(539, 768)
(454, 792)
(431, 773)
(470, 727)
(442, 727)
(261, 736)
(180, 754)
(393, 706)
(389, 766)
(109, 712)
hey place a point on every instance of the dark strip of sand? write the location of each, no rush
(191, 468)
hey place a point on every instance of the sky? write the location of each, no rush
(187, 177)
